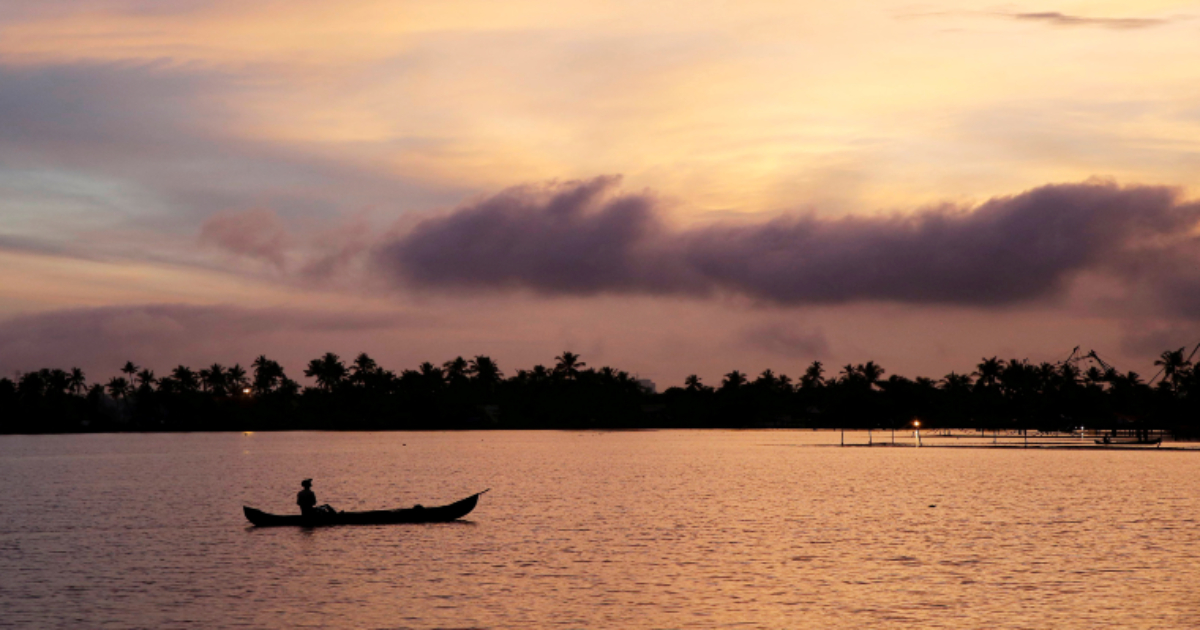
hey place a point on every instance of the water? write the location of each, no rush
(670, 529)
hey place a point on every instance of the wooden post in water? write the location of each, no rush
(843, 437)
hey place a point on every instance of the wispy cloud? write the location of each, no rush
(1054, 18)
(258, 234)
(1062, 19)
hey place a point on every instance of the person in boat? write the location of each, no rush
(307, 500)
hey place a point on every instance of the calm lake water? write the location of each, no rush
(656, 529)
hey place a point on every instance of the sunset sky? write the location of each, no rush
(665, 187)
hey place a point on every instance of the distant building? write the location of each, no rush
(647, 385)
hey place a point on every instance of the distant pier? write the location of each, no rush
(1086, 439)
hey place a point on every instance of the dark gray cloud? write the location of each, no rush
(162, 334)
(1062, 19)
(583, 238)
(1055, 18)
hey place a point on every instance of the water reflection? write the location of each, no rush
(645, 529)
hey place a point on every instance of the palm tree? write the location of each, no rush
(1174, 367)
(456, 370)
(328, 370)
(236, 379)
(130, 369)
(118, 387)
(362, 369)
(1093, 378)
(568, 365)
(871, 373)
(432, 376)
(185, 379)
(213, 379)
(76, 382)
(733, 381)
(988, 372)
(1068, 375)
(267, 375)
(484, 371)
(766, 380)
(849, 374)
(145, 378)
(813, 376)
(57, 381)
(954, 382)
(692, 384)
(539, 374)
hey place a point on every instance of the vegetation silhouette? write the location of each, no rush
(1013, 395)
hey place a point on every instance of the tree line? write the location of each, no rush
(475, 394)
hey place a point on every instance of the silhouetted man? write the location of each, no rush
(307, 500)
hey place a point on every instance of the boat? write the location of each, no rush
(417, 514)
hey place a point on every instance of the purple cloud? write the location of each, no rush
(574, 238)
(582, 238)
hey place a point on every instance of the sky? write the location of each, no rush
(664, 187)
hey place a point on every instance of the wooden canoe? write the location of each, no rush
(441, 514)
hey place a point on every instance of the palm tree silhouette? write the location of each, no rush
(185, 379)
(456, 370)
(76, 382)
(954, 382)
(988, 373)
(692, 384)
(362, 369)
(485, 372)
(1173, 366)
(1068, 375)
(813, 376)
(145, 378)
(130, 369)
(213, 379)
(329, 371)
(118, 387)
(539, 374)
(568, 365)
(268, 375)
(849, 374)
(733, 381)
(235, 377)
(431, 376)
(58, 381)
(871, 373)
